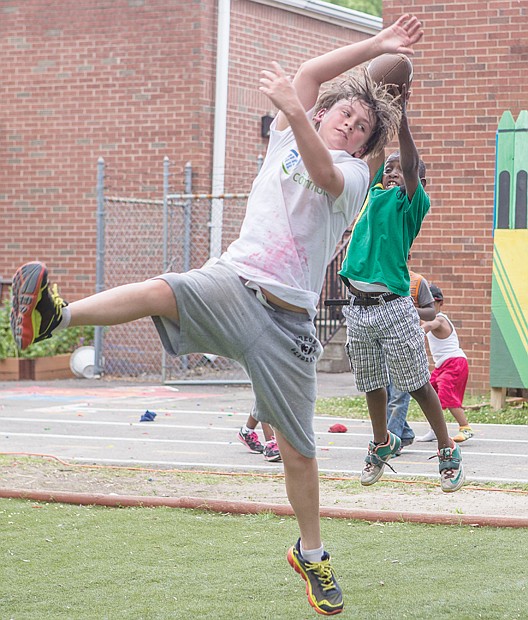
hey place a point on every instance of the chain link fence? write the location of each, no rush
(137, 239)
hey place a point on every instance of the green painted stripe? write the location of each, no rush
(516, 362)
(505, 146)
(503, 372)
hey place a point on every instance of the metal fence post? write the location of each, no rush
(166, 165)
(99, 262)
(187, 218)
(166, 174)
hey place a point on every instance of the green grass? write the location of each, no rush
(356, 407)
(69, 562)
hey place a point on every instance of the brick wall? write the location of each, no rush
(134, 81)
(129, 81)
(470, 67)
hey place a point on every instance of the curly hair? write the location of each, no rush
(382, 104)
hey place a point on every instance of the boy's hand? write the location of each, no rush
(401, 36)
(278, 87)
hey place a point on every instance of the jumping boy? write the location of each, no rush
(256, 304)
(384, 338)
(398, 401)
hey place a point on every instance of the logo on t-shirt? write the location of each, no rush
(290, 161)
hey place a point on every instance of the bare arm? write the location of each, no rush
(439, 326)
(316, 156)
(397, 38)
(427, 313)
(294, 98)
(409, 156)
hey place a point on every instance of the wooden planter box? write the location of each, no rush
(38, 369)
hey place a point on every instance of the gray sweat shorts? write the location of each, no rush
(277, 348)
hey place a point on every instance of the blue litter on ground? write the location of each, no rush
(148, 416)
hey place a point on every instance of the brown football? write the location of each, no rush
(391, 69)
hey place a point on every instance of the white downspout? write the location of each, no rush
(220, 121)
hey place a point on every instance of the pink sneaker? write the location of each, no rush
(271, 451)
(251, 441)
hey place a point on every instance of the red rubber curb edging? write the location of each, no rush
(234, 507)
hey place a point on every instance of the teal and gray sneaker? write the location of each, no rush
(451, 470)
(36, 310)
(377, 457)
(322, 589)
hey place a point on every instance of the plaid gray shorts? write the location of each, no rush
(386, 341)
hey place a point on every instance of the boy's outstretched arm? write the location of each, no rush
(409, 156)
(397, 38)
(293, 98)
(439, 326)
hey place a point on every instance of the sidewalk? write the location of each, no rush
(330, 385)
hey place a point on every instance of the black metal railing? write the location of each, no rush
(329, 318)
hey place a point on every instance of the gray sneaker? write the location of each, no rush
(377, 458)
(452, 474)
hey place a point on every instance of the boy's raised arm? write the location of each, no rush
(409, 156)
(397, 38)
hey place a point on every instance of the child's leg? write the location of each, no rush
(429, 403)
(269, 433)
(459, 415)
(251, 423)
(302, 487)
(377, 406)
(37, 310)
(125, 303)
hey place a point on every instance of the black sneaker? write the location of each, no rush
(322, 589)
(35, 310)
(251, 441)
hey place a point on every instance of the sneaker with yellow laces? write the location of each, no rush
(322, 589)
(35, 309)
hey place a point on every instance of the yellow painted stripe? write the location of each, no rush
(510, 266)
(511, 302)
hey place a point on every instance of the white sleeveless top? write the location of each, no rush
(443, 349)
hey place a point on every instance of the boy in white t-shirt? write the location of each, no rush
(256, 304)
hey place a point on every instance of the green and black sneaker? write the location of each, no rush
(452, 474)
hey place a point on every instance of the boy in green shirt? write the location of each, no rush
(384, 338)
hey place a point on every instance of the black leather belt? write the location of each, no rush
(373, 299)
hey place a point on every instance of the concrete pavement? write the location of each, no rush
(95, 421)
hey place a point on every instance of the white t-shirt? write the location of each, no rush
(292, 227)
